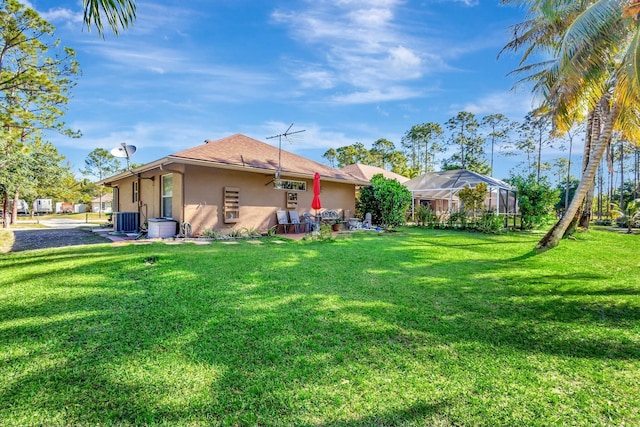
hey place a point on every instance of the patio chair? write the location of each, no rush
(295, 220)
(329, 215)
(283, 220)
(308, 222)
(355, 224)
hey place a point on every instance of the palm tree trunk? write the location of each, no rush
(587, 210)
(592, 133)
(621, 173)
(553, 236)
(583, 216)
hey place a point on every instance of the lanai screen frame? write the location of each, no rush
(462, 178)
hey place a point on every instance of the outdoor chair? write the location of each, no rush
(308, 222)
(295, 220)
(329, 215)
(354, 224)
(283, 220)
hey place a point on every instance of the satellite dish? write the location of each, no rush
(125, 151)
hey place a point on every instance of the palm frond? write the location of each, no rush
(119, 14)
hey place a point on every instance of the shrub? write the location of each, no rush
(426, 217)
(458, 220)
(490, 223)
(386, 199)
(536, 200)
(323, 234)
(472, 198)
(237, 232)
(251, 232)
(210, 233)
(623, 222)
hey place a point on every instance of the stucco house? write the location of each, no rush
(236, 181)
(102, 204)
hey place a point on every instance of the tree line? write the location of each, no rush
(420, 146)
(471, 143)
(37, 75)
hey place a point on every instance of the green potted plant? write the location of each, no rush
(335, 224)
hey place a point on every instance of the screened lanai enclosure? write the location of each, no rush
(439, 191)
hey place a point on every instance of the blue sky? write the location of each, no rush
(345, 71)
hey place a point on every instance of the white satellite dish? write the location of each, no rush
(125, 151)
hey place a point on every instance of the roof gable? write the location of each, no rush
(367, 172)
(105, 198)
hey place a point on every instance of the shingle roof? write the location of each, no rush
(106, 198)
(242, 151)
(366, 172)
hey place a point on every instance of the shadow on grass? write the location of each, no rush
(282, 334)
(46, 238)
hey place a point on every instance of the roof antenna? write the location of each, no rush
(286, 134)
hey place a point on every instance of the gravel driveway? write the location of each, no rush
(40, 238)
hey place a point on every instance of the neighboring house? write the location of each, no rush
(102, 204)
(236, 181)
(366, 172)
(439, 191)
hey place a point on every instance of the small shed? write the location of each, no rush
(439, 191)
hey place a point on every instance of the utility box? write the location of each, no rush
(160, 227)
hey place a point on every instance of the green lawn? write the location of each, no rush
(419, 327)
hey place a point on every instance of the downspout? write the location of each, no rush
(139, 201)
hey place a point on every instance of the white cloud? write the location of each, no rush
(469, 2)
(319, 79)
(361, 46)
(56, 15)
(378, 95)
(62, 15)
(374, 18)
(405, 61)
(510, 103)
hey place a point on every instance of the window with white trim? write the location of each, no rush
(167, 195)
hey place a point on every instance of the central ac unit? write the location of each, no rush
(125, 222)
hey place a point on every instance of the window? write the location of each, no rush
(134, 192)
(167, 195)
(115, 205)
(285, 184)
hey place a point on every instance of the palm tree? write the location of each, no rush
(594, 45)
(119, 14)
(631, 211)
